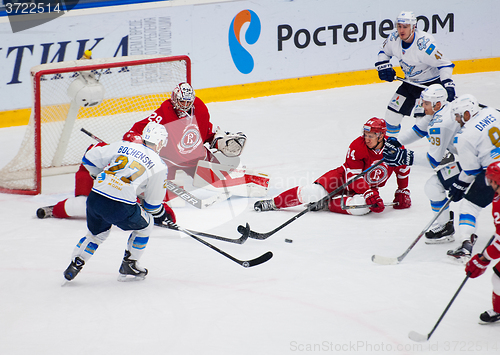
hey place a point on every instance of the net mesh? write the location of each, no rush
(131, 93)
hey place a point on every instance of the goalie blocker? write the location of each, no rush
(228, 179)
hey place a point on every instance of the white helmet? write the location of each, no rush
(406, 18)
(183, 97)
(463, 104)
(435, 93)
(155, 134)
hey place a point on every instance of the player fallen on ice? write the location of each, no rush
(124, 171)
(363, 152)
(479, 262)
(422, 62)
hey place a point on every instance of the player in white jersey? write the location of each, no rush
(478, 147)
(422, 62)
(442, 135)
(124, 171)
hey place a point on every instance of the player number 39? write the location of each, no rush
(19, 8)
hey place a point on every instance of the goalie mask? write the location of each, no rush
(155, 135)
(183, 97)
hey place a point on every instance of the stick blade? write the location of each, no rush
(417, 337)
(260, 260)
(383, 260)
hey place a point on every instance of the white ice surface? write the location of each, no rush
(319, 294)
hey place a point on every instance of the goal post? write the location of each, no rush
(106, 96)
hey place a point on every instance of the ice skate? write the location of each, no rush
(463, 253)
(440, 234)
(489, 317)
(74, 268)
(45, 212)
(130, 269)
(265, 205)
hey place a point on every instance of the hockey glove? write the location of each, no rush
(402, 199)
(396, 156)
(373, 198)
(449, 85)
(385, 71)
(164, 213)
(457, 190)
(476, 267)
(133, 137)
(230, 144)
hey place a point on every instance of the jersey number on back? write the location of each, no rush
(122, 161)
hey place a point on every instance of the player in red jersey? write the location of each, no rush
(479, 263)
(187, 121)
(363, 152)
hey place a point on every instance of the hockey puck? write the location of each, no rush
(288, 241)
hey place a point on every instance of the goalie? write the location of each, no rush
(191, 138)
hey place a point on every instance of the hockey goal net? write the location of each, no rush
(104, 96)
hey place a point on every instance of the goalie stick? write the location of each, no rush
(383, 260)
(245, 263)
(240, 240)
(420, 338)
(310, 206)
(179, 191)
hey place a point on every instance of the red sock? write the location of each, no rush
(496, 302)
(59, 211)
(289, 198)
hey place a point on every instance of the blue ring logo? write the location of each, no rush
(242, 59)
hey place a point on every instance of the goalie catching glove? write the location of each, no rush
(230, 144)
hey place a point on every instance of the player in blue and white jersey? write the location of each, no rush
(478, 147)
(124, 171)
(422, 62)
(443, 133)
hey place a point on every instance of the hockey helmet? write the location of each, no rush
(464, 103)
(155, 134)
(183, 97)
(435, 93)
(493, 172)
(406, 18)
(375, 125)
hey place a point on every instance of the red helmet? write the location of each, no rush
(183, 97)
(376, 125)
(493, 172)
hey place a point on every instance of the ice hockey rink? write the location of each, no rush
(319, 294)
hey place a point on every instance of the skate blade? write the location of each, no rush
(489, 323)
(440, 241)
(461, 260)
(130, 278)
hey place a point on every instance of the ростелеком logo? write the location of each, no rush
(241, 58)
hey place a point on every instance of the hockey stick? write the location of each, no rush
(424, 87)
(245, 263)
(383, 260)
(179, 191)
(240, 240)
(423, 338)
(310, 206)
